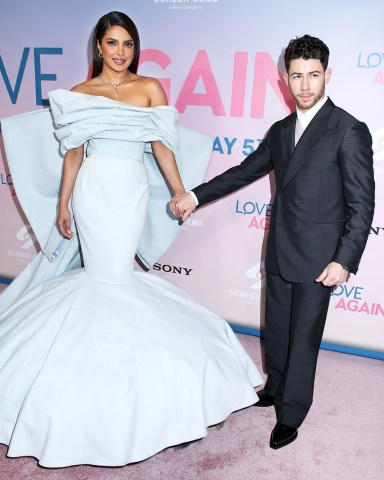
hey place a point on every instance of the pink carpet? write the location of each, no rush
(341, 439)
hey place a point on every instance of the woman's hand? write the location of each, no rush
(63, 223)
(172, 205)
(185, 205)
(72, 163)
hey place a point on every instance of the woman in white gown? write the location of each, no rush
(105, 365)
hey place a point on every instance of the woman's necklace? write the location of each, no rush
(117, 84)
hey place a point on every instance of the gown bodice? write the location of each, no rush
(115, 148)
(109, 127)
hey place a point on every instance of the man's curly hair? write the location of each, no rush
(306, 47)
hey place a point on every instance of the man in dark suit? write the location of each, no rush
(321, 216)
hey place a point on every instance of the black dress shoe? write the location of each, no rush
(282, 435)
(265, 400)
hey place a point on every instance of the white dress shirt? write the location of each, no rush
(305, 118)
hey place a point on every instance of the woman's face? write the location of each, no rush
(117, 49)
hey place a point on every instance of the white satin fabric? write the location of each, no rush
(103, 365)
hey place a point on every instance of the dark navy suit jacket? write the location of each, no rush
(324, 201)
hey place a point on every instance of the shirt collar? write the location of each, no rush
(305, 118)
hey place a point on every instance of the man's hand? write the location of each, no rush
(185, 205)
(332, 275)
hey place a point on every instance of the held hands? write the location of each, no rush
(173, 205)
(333, 275)
(182, 205)
(63, 223)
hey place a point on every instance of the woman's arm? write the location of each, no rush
(168, 165)
(72, 163)
(164, 156)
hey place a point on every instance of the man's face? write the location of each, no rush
(306, 80)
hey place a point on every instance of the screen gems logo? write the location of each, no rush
(26, 234)
(185, 1)
(28, 239)
(193, 222)
(185, 4)
(257, 272)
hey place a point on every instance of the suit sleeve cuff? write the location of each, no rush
(194, 197)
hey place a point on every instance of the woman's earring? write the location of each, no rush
(100, 55)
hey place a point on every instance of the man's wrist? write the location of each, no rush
(344, 267)
(194, 197)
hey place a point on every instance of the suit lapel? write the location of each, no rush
(311, 136)
(288, 137)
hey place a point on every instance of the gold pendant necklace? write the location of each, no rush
(117, 84)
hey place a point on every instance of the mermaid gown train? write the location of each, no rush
(105, 365)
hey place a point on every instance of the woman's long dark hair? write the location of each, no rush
(107, 21)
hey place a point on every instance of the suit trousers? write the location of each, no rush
(295, 317)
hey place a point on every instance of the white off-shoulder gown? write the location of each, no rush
(105, 365)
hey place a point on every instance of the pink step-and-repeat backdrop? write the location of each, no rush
(221, 64)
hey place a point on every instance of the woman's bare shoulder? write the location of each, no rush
(87, 87)
(149, 82)
(153, 90)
